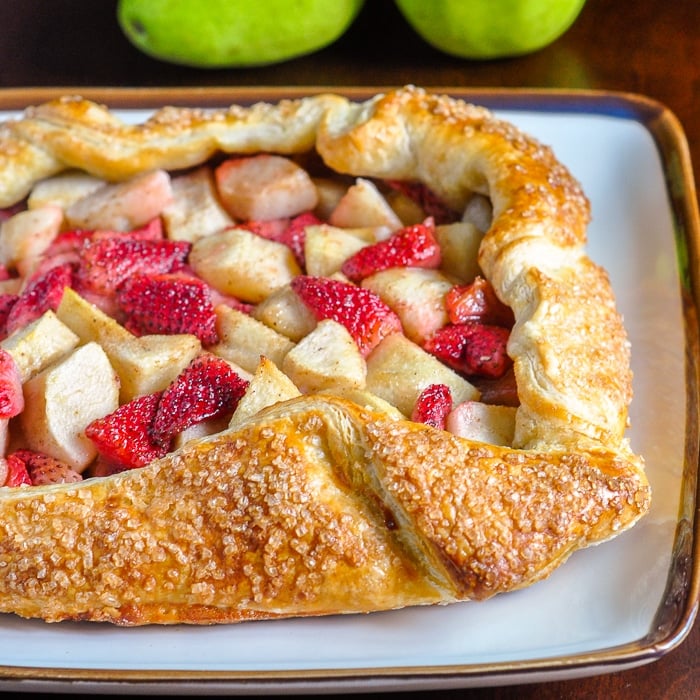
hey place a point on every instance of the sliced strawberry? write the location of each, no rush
(218, 298)
(294, 235)
(123, 437)
(272, 229)
(428, 201)
(361, 311)
(412, 246)
(43, 292)
(44, 469)
(17, 474)
(433, 405)
(472, 348)
(208, 387)
(70, 241)
(106, 262)
(477, 302)
(7, 301)
(4, 273)
(168, 304)
(11, 396)
(502, 391)
(290, 231)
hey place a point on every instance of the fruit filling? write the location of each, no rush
(139, 315)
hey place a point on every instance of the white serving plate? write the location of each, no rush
(621, 604)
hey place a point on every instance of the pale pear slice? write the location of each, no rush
(144, 364)
(268, 386)
(200, 430)
(398, 370)
(328, 357)
(151, 362)
(62, 400)
(264, 187)
(243, 339)
(327, 247)
(39, 344)
(459, 247)
(364, 205)
(416, 295)
(407, 209)
(243, 264)
(27, 234)
(479, 211)
(195, 211)
(124, 205)
(483, 422)
(366, 399)
(286, 313)
(63, 189)
(329, 191)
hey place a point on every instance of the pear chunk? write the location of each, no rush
(195, 210)
(364, 205)
(483, 422)
(243, 264)
(327, 247)
(123, 206)
(27, 234)
(398, 370)
(144, 364)
(244, 339)
(264, 187)
(62, 400)
(326, 358)
(286, 313)
(63, 189)
(39, 344)
(268, 386)
(459, 246)
(416, 295)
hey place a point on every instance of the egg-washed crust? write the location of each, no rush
(318, 505)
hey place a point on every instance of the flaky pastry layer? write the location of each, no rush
(319, 506)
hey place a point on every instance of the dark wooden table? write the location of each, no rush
(651, 47)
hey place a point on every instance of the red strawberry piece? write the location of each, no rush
(168, 304)
(294, 235)
(227, 300)
(4, 273)
(433, 405)
(502, 391)
(207, 388)
(43, 292)
(367, 318)
(9, 212)
(477, 302)
(412, 246)
(272, 229)
(472, 348)
(44, 469)
(106, 262)
(17, 474)
(7, 301)
(11, 396)
(428, 201)
(70, 241)
(123, 437)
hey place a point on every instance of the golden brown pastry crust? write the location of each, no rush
(318, 506)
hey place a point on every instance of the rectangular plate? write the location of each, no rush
(609, 608)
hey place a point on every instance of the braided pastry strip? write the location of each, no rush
(318, 505)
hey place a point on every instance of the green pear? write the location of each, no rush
(483, 29)
(233, 33)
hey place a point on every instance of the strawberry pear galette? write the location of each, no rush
(303, 358)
